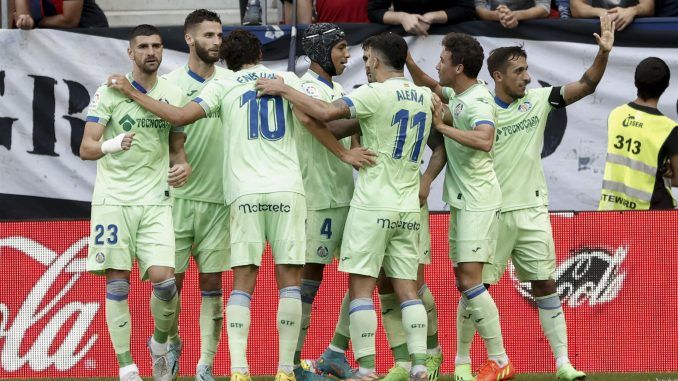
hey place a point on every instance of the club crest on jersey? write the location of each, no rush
(458, 108)
(322, 251)
(525, 106)
(127, 122)
(100, 257)
(311, 91)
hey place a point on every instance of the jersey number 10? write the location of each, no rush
(402, 120)
(258, 115)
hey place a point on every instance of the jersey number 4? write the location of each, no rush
(402, 120)
(258, 115)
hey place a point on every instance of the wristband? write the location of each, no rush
(112, 145)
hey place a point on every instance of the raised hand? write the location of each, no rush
(606, 38)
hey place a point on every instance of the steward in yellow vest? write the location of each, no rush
(642, 146)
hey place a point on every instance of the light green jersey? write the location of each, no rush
(470, 181)
(261, 154)
(204, 141)
(137, 176)
(328, 181)
(520, 137)
(395, 120)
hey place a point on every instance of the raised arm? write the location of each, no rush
(357, 157)
(178, 116)
(481, 137)
(315, 108)
(422, 79)
(92, 148)
(587, 84)
(180, 170)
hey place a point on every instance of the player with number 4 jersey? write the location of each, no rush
(262, 185)
(383, 226)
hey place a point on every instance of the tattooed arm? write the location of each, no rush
(588, 82)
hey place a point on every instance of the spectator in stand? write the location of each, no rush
(666, 8)
(60, 14)
(510, 13)
(252, 15)
(622, 12)
(337, 11)
(416, 16)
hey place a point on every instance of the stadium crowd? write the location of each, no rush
(415, 16)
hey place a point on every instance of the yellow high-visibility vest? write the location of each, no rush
(635, 134)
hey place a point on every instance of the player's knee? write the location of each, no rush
(165, 290)
(209, 281)
(117, 289)
(464, 284)
(543, 287)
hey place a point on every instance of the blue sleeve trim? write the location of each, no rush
(491, 123)
(94, 119)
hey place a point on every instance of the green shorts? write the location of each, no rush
(201, 230)
(278, 218)
(473, 235)
(324, 231)
(120, 234)
(525, 236)
(424, 238)
(375, 239)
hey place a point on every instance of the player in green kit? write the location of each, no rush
(262, 185)
(382, 228)
(199, 214)
(472, 191)
(328, 183)
(525, 227)
(131, 204)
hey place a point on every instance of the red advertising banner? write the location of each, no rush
(616, 275)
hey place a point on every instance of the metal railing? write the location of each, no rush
(4, 14)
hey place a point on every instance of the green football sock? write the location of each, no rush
(553, 324)
(173, 334)
(392, 320)
(309, 289)
(465, 332)
(415, 326)
(342, 334)
(363, 327)
(432, 317)
(211, 323)
(486, 319)
(163, 308)
(118, 319)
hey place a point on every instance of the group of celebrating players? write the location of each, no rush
(271, 160)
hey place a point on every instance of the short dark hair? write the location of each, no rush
(144, 30)
(500, 57)
(466, 51)
(198, 16)
(652, 78)
(240, 48)
(391, 47)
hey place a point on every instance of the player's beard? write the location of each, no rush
(204, 54)
(150, 68)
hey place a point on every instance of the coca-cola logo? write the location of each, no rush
(589, 275)
(45, 350)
